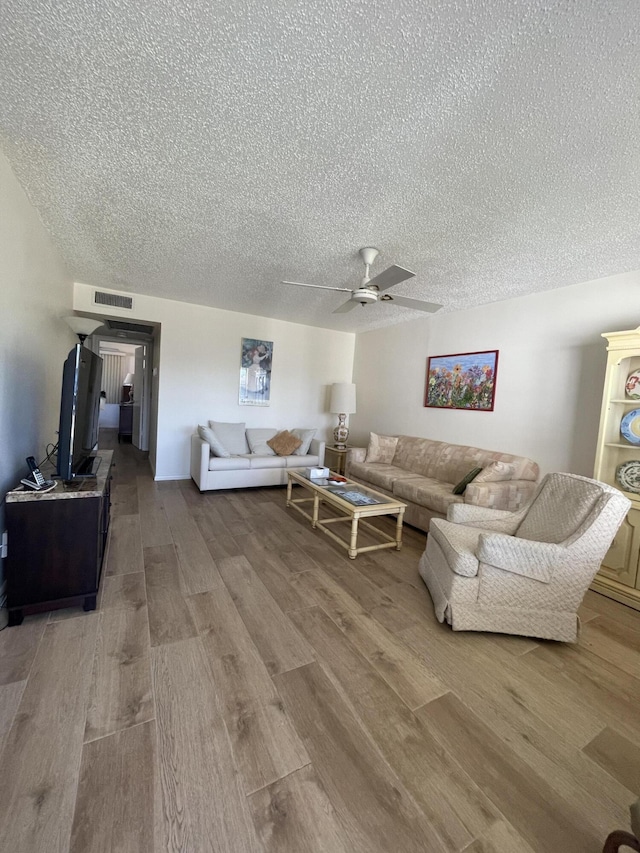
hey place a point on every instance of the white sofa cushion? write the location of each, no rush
(208, 435)
(305, 436)
(267, 461)
(257, 440)
(232, 436)
(301, 461)
(229, 463)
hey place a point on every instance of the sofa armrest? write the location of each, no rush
(200, 453)
(509, 495)
(535, 560)
(316, 448)
(354, 454)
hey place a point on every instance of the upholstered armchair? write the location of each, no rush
(522, 572)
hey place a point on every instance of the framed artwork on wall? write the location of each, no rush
(255, 372)
(463, 381)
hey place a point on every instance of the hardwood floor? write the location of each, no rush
(244, 686)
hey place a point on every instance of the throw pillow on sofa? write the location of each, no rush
(459, 488)
(284, 443)
(217, 447)
(305, 436)
(257, 440)
(381, 448)
(232, 436)
(497, 472)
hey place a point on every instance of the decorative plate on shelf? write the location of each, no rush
(632, 385)
(628, 475)
(630, 426)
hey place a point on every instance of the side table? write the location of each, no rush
(340, 454)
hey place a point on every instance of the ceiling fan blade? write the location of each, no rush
(416, 304)
(392, 275)
(349, 305)
(320, 286)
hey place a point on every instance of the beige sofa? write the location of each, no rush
(423, 474)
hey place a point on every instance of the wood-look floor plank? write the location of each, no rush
(121, 693)
(603, 606)
(275, 575)
(294, 815)
(18, 647)
(224, 545)
(169, 614)
(501, 838)
(452, 802)
(617, 644)
(618, 756)
(265, 744)
(203, 805)
(124, 499)
(525, 713)
(278, 642)
(124, 555)
(115, 804)
(10, 695)
(41, 758)
(198, 571)
(481, 671)
(371, 802)
(400, 667)
(154, 527)
(611, 694)
(528, 802)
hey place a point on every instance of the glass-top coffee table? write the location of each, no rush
(356, 504)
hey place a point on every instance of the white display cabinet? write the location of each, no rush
(618, 464)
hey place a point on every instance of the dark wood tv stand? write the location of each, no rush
(56, 544)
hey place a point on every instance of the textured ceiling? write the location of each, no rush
(203, 151)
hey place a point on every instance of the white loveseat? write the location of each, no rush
(246, 469)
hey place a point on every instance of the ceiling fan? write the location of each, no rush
(370, 289)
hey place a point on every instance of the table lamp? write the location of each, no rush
(343, 403)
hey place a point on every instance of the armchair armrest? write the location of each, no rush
(498, 520)
(535, 560)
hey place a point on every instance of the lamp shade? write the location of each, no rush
(83, 325)
(343, 398)
(128, 379)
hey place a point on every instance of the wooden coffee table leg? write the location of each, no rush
(316, 507)
(289, 488)
(353, 543)
(399, 530)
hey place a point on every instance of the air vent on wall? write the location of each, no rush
(113, 299)
(137, 328)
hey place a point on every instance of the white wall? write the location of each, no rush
(35, 292)
(199, 371)
(550, 372)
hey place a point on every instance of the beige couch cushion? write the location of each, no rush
(381, 448)
(428, 492)
(378, 474)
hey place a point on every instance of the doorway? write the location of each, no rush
(126, 386)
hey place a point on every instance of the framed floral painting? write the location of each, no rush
(255, 372)
(463, 381)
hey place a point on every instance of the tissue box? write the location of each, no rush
(316, 473)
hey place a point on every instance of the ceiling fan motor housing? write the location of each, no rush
(365, 295)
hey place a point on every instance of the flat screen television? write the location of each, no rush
(79, 414)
